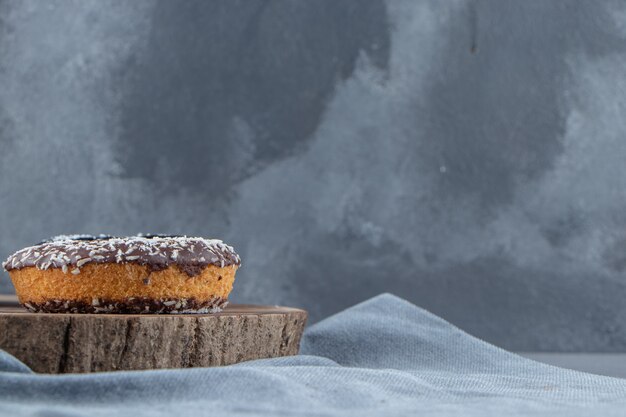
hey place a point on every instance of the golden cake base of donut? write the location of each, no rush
(123, 288)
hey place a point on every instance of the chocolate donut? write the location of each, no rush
(140, 274)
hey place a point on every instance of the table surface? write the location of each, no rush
(609, 364)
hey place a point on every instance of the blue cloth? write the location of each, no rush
(382, 357)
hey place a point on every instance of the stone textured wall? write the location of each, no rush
(466, 155)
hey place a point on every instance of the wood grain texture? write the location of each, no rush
(73, 343)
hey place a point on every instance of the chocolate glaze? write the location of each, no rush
(102, 237)
(70, 253)
(76, 237)
(133, 305)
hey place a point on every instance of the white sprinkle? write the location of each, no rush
(169, 303)
(64, 268)
(132, 258)
(75, 271)
(82, 262)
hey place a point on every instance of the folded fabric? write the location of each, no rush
(381, 357)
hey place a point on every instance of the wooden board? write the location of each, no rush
(70, 343)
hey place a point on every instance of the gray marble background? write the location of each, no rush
(469, 156)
